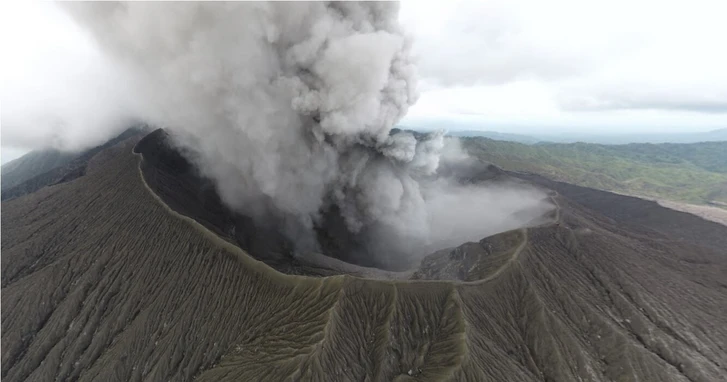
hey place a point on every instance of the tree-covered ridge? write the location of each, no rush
(694, 173)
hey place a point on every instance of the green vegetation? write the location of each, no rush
(693, 173)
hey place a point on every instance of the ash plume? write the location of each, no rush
(289, 107)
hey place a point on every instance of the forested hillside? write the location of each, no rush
(693, 173)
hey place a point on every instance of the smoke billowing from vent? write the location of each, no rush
(288, 107)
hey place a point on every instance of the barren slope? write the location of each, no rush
(37, 170)
(32, 164)
(102, 281)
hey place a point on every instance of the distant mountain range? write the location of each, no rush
(708, 136)
(32, 164)
(609, 139)
(526, 139)
(41, 168)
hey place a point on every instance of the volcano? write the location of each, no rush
(125, 265)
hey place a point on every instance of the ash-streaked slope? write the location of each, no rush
(34, 163)
(37, 170)
(103, 281)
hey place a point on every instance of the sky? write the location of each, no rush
(517, 66)
(572, 65)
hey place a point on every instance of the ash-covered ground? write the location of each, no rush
(105, 278)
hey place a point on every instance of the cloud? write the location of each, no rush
(495, 42)
(656, 79)
(288, 108)
(57, 89)
(567, 62)
(558, 63)
(647, 99)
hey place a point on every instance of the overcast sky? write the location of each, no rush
(617, 65)
(521, 66)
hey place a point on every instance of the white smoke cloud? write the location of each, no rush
(57, 90)
(479, 211)
(289, 108)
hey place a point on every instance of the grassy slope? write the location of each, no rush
(694, 173)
